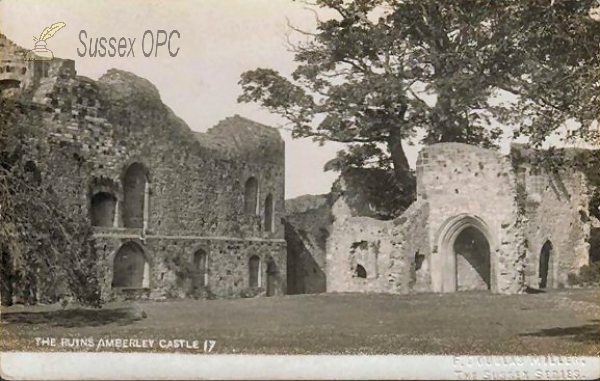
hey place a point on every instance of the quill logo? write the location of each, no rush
(40, 52)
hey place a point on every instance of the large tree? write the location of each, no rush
(380, 71)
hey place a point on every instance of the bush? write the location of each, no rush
(250, 292)
(588, 275)
(204, 292)
(591, 273)
(572, 279)
(210, 295)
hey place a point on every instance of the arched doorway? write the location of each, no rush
(271, 277)
(464, 256)
(472, 252)
(545, 265)
(130, 268)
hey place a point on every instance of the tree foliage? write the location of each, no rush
(556, 77)
(47, 250)
(379, 72)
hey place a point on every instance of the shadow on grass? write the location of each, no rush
(530, 290)
(589, 333)
(73, 317)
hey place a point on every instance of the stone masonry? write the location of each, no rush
(307, 229)
(176, 213)
(481, 221)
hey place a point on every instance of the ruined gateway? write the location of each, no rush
(481, 221)
(179, 214)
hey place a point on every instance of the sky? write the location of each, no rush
(218, 41)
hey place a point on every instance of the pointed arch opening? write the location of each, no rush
(251, 196)
(545, 265)
(130, 267)
(269, 217)
(463, 253)
(472, 251)
(135, 196)
(272, 275)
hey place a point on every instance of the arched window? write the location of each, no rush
(269, 217)
(103, 209)
(419, 258)
(201, 267)
(130, 268)
(254, 269)
(360, 271)
(135, 198)
(251, 196)
(545, 265)
(271, 277)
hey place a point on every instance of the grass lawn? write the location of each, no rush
(565, 322)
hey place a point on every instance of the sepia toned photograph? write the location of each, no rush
(290, 189)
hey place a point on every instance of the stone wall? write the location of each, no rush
(558, 223)
(418, 251)
(307, 229)
(411, 239)
(12, 66)
(192, 187)
(480, 222)
(172, 272)
(470, 186)
(360, 256)
(394, 254)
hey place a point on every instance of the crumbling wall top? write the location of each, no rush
(12, 65)
(10, 48)
(302, 204)
(125, 98)
(243, 138)
(431, 152)
(123, 87)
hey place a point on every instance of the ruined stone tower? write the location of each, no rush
(175, 213)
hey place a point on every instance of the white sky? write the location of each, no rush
(220, 39)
